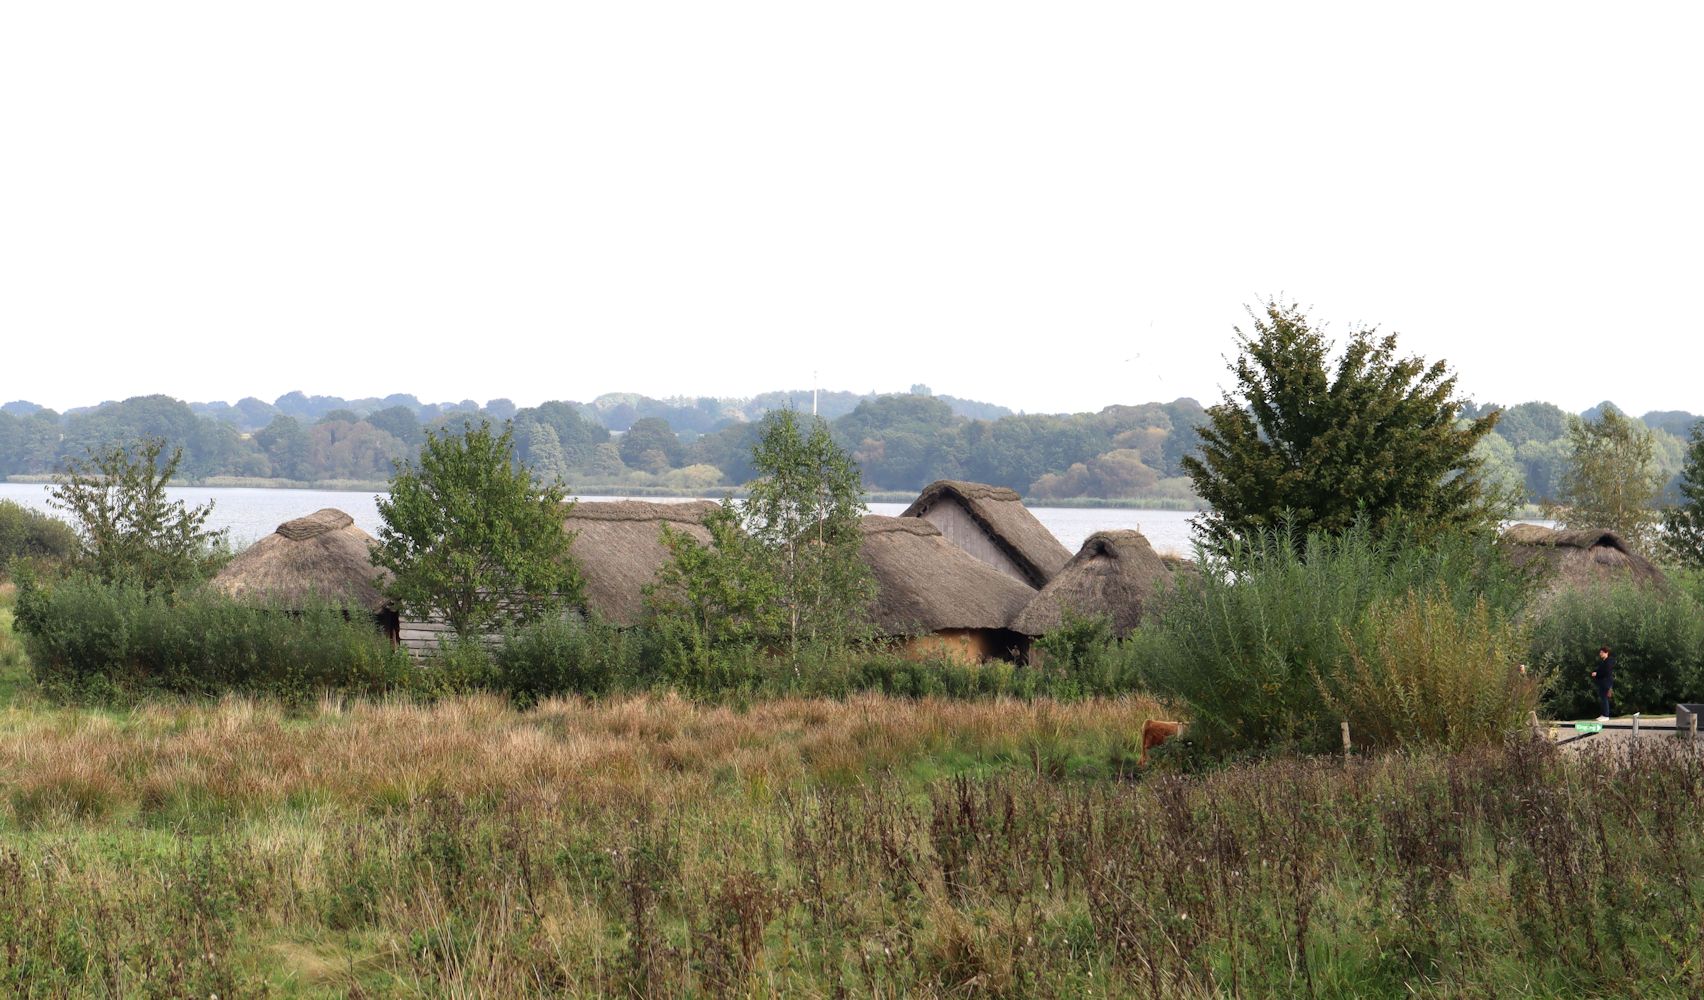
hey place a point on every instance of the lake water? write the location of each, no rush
(250, 514)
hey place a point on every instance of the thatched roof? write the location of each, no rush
(1001, 514)
(1117, 574)
(1579, 557)
(619, 547)
(927, 584)
(319, 558)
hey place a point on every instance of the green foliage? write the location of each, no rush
(804, 512)
(1431, 673)
(562, 656)
(718, 595)
(1246, 646)
(1657, 637)
(651, 445)
(352, 449)
(781, 571)
(1320, 445)
(92, 640)
(1683, 522)
(470, 539)
(1016, 451)
(129, 530)
(32, 535)
(286, 446)
(1084, 657)
(901, 442)
(1611, 480)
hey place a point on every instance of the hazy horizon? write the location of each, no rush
(524, 403)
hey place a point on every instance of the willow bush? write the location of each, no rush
(1248, 646)
(1428, 672)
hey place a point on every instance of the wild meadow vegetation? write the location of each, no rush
(870, 846)
(586, 811)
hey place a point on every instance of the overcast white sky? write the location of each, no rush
(1050, 206)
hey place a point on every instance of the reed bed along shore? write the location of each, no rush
(871, 847)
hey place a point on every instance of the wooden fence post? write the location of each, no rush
(1635, 725)
(1691, 726)
(1346, 744)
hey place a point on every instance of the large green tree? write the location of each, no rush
(471, 539)
(1610, 480)
(1683, 522)
(130, 530)
(1320, 443)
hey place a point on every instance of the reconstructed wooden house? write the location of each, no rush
(992, 524)
(935, 599)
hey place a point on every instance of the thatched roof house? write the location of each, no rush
(935, 596)
(321, 558)
(618, 544)
(1579, 558)
(1117, 574)
(992, 524)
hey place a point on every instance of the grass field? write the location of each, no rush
(652, 846)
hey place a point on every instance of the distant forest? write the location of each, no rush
(902, 441)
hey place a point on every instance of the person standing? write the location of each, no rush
(1603, 678)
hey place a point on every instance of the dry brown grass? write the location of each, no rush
(251, 756)
(654, 847)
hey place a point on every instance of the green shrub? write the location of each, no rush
(566, 656)
(1084, 657)
(458, 666)
(1657, 637)
(1244, 646)
(88, 640)
(1429, 673)
(31, 535)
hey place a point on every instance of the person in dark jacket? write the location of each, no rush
(1603, 678)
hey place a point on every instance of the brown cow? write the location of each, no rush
(1155, 732)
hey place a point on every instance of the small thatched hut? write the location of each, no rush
(1579, 558)
(992, 524)
(1117, 574)
(619, 547)
(936, 599)
(321, 558)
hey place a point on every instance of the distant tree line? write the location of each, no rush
(901, 441)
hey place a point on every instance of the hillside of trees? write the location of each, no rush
(902, 441)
